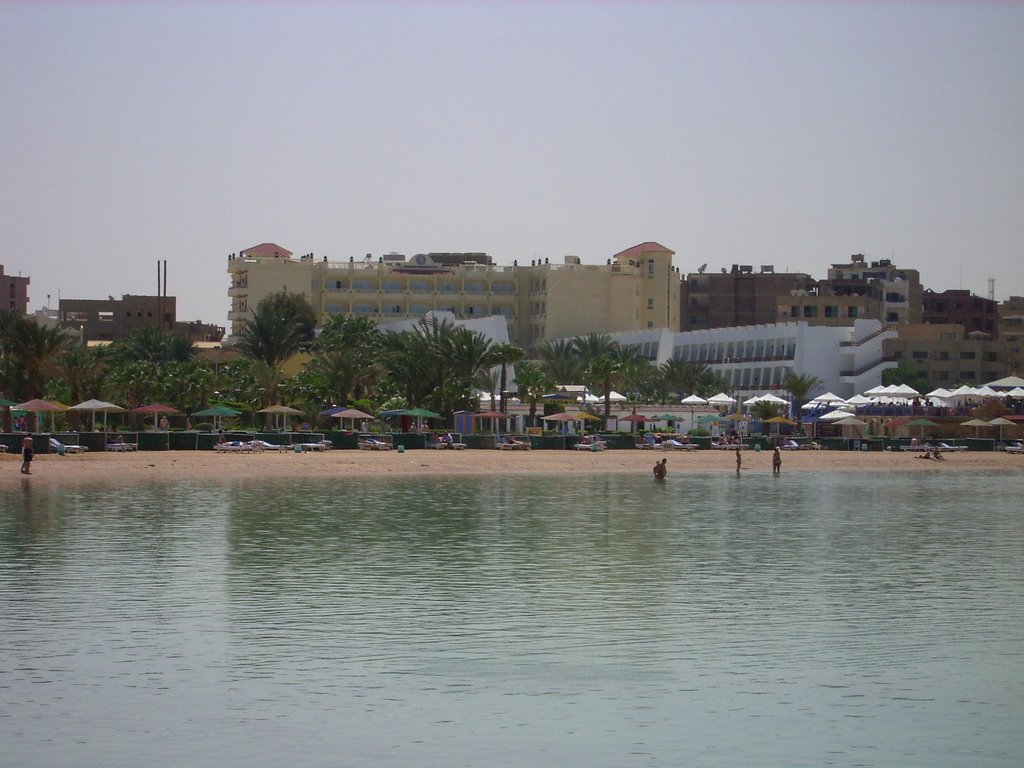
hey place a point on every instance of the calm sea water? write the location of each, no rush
(809, 619)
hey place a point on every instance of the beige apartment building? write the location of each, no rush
(947, 356)
(637, 289)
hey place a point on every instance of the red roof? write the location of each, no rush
(637, 250)
(267, 250)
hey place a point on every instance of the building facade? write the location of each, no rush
(636, 289)
(946, 356)
(112, 319)
(756, 359)
(1011, 330)
(899, 290)
(13, 293)
(958, 307)
(736, 297)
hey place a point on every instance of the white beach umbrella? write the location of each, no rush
(835, 415)
(904, 390)
(752, 400)
(1007, 383)
(858, 400)
(940, 392)
(879, 390)
(770, 398)
(828, 398)
(721, 399)
(1016, 392)
(694, 400)
(615, 397)
(987, 391)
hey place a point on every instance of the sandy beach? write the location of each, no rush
(173, 466)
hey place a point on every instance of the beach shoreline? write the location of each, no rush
(177, 466)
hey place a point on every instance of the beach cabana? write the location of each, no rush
(217, 412)
(38, 406)
(922, 423)
(349, 413)
(157, 409)
(98, 406)
(976, 423)
(1000, 422)
(280, 414)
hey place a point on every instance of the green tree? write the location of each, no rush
(902, 374)
(279, 328)
(152, 344)
(800, 386)
(531, 385)
(603, 371)
(561, 361)
(505, 355)
(34, 352)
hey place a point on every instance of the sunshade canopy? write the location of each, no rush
(285, 409)
(217, 410)
(154, 408)
(39, 406)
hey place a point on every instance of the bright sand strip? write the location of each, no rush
(122, 468)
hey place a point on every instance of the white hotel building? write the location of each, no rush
(754, 359)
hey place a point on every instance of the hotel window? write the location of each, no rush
(851, 311)
(810, 311)
(650, 303)
(650, 267)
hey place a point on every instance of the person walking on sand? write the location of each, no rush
(739, 459)
(777, 461)
(26, 455)
(661, 469)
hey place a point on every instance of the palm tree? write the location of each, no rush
(531, 384)
(269, 338)
(34, 351)
(604, 369)
(800, 386)
(505, 355)
(560, 361)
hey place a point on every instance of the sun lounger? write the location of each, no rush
(678, 445)
(1015, 448)
(915, 448)
(956, 448)
(323, 445)
(441, 445)
(122, 447)
(263, 445)
(596, 445)
(512, 445)
(59, 447)
(372, 444)
(237, 446)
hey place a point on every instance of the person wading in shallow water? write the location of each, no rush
(739, 460)
(777, 461)
(661, 469)
(26, 455)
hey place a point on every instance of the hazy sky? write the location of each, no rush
(789, 134)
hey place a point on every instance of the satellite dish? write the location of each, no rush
(701, 268)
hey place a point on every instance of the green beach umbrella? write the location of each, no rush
(217, 412)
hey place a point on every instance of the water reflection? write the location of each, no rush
(592, 621)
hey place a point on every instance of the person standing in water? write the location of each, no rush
(739, 459)
(26, 455)
(661, 469)
(777, 461)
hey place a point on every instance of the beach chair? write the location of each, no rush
(322, 445)
(373, 444)
(944, 447)
(236, 446)
(677, 445)
(122, 447)
(1015, 448)
(263, 445)
(63, 448)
